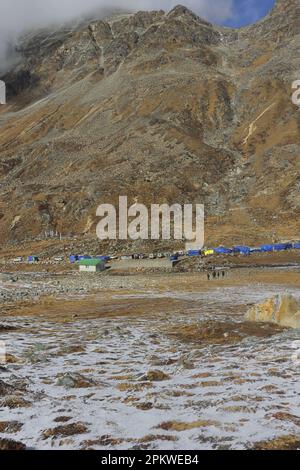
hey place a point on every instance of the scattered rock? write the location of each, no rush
(11, 359)
(74, 380)
(159, 362)
(144, 406)
(289, 442)
(133, 387)
(157, 437)
(180, 426)
(155, 376)
(202, 375)
(62, 419)
(282, 416)
(9, 444)
(185, 363)
(5, 388)
(102, 441)
(66, 430)
(10, 427)
(239, 409)
(210, 383)
(7, 328)
(15, 402)
(71, 350)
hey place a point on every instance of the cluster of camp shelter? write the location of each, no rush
(246, 250)
(221, 250)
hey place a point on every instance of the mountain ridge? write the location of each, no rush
(150, 104)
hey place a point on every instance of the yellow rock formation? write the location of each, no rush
(283, 310)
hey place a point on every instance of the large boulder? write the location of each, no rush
(283, 310)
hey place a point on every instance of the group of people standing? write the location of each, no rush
(216, 274)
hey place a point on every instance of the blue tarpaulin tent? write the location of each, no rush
(103, 258)
(73, 258)
(266, 248)
(296, 246)
(193, 252)
(282, 246)
(223, 250)
(243, 250)
(277, 247)
(255, 250)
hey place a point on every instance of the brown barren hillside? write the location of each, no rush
(162, 107)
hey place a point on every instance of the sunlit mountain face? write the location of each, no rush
(153, 104)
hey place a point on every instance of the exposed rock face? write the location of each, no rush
(283, 310)
(163, 107)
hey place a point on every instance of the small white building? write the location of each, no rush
(91, 266)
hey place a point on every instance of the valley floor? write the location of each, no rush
(149, 361)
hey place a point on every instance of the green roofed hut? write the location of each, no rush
(91, 265)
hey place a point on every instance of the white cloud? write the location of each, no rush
(19, 15)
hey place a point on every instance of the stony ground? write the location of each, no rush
(167, 364)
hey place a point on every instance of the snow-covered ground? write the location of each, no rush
(94, 372)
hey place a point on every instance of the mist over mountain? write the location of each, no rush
(18, 16)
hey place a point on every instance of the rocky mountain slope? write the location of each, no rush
(162, 107)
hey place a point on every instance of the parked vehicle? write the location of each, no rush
(19, 259)
(112, 257)
(33, 259)
(152, 256)
(126, 257)
(103, 258)
(58, 259)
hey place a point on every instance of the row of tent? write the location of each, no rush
(246, 250)
(221, 250)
